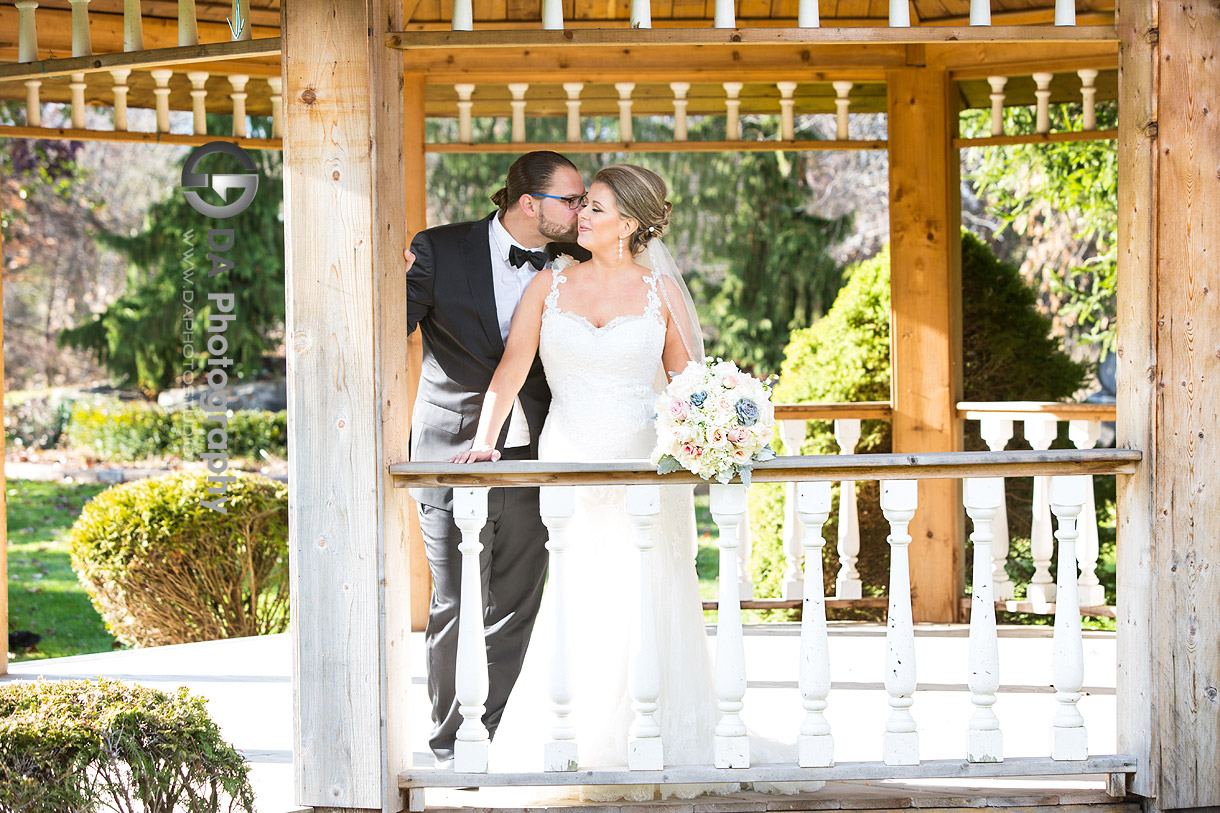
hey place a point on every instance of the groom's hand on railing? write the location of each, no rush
(478, 455)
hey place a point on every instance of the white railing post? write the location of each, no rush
(745, 552)
(573, 90)
(77, 86)
(624, 110)
(188, 26)
(465, 105)
(641, 13)
(1069, 739)
(517, 89)
(680, 90)
(81, 44)
(1065, 12)
(33, 105)
(847, 583)
(725, 15)
(1085, 434)
(161, 77)
(787, 107)
(980, 12)
(1040, 432)
(842, 102)
(556, 505)
(276, 83)
(807, 15)
(199, 95)
(732, 106)
(120, 98)
(997, 103)
(899, 499)
(463, 15)
(900, 14)
(27, 31)
(815, 746)
(1088, 93)
(1043, 93)
(552, 15)
(792, 433)
(470, 680)
(133, 26)
(644, 748)
(997, 432)
(731, 748)
(238, 81)
(984, 740)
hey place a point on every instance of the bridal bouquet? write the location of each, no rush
(715, 421)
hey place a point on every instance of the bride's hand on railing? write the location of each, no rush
(479, 454)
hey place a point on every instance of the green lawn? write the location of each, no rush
(44, 595)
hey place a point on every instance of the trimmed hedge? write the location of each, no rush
(162, 568)
(79, 745)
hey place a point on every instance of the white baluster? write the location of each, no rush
(120, 98)
(552, 15)
(841, 104)
(77, 86)
(732, 105)
(787, 107)
(463, 15)
(573, 90)
(161, 77)
(33, 105)
(188, 26)
(680, 89)
(980, 12)
(847, 584)
(1085, 434)
(641, 13)
(243, 33)
(900, 14)
(997, 103)
(644, 749)
(277, 105)
(199, 95)
(81, 44)
(556, 504)
(1089, 93)
(807, 15)
(27, 36)
(470, 678)
(725, 14)
(1065, 12)
(133, 26)
(899, 499)
(1069, 739)
(624, 109)
(465, 105)
(815, 746)
(732, 748)
(1043, 93)
(984, 740)
(238, 81)
(1041, 432)
(792, 433)
(997, 432)
(517, 89)
(745, 553)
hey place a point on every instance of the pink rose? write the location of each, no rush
(677, 409)
(716, 436)
(730, 381)
(738, 435)
(691, 450)
(741, 456)
(724, 405)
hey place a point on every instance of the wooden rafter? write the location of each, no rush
(142, 60)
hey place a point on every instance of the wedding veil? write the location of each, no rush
(656, 257)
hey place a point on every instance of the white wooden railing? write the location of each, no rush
(1069, 474)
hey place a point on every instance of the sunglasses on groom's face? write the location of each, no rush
(573, 201)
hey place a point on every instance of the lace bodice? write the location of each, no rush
(601, 379)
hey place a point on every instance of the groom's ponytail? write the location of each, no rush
(529, 174)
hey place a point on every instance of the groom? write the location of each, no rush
(462, 289)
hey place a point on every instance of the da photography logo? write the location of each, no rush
(221, 306)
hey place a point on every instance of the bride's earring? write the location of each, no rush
(620, 246)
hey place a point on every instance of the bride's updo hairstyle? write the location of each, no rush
(639, 194)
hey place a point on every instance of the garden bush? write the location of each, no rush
(1008, 354)
(37, 422)
(162, 568)
(80, 745)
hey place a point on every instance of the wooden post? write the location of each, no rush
(348, 411)
(1169, 530)
(925, 322)
(3, 475)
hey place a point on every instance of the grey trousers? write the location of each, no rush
(513, 570)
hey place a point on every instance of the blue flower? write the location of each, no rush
(747, 412)
(697, 398)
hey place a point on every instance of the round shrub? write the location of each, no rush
(162, 568)
(81, 745)
(106, 430)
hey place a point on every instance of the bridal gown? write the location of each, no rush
(602, 407)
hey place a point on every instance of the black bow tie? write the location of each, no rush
(519, 257)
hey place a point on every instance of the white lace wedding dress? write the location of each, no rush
(602, 408)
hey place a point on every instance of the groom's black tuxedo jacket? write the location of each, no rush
(451, 298)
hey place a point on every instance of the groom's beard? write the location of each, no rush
(557, 232)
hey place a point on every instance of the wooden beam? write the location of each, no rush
(344, 202)
(974, 60)
(658, 146)
(925, 326)
(1035, 138)
(70, 134)
(864, 410)
(1019, 410)
(142, 60)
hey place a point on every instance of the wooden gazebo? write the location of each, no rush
(350, 86)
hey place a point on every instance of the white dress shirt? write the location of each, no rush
(509, 283)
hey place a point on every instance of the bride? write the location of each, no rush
(611, 332)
